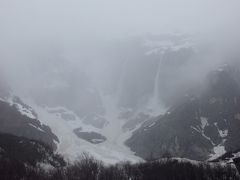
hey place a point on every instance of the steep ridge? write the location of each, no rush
(30, 152)
(109, 146)
(202, 125)
(19, 119)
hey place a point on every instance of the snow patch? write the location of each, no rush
(201, 130)
(204, 122)
(218, 151)
(236, 155)
(111, 151)
(36, 127)
(151, 125)
(162, 46)
(223, 133)
(25, 111)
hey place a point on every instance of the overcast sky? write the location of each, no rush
(33, 31)
(77, 25)
(113, 18)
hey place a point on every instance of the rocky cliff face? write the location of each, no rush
(17, 149)
(19, 119)
(204, 124)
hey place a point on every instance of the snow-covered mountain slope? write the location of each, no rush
(19, 119)
(64, 122)
(71, 136)
(203, 125)
(143, 79)
(138, 80)
(128, 91)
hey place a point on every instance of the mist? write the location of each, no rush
(86, 34)
(96, 71)
(82, 27)
(104, 46)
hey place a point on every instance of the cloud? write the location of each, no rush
(111, 18)
(80, 30)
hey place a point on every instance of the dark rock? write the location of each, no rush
(91, 137)
(27, 151)
(14, 122)
(193, 126)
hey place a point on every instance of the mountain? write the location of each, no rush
(19, 119)
(99, 110)
(31, 152)
(203, 125)
(142, 97)
(22, 158)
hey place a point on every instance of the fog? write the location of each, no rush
(96, 38)
(114, 18)
(95, 71)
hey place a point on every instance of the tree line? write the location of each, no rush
(88, 168)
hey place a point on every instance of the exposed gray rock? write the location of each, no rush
(14, 122)
(134, 121)
(195, 125)
(91, 137)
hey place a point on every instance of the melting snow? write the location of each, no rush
(25, 111)
(160, 47)
(223, 133)
(218, 151)
(204, 122)
(36, 127)
(237, 155)
(111, 151)
(151, 125)
(201, 131)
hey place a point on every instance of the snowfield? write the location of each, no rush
(71, 147)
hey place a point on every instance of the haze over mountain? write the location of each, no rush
(121, 80)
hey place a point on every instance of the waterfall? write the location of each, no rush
(156, 84)
(154, 105)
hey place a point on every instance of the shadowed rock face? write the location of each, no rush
(15, 122)
(199, 122)
(27, 151)
(19, 119)
(91, 137)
